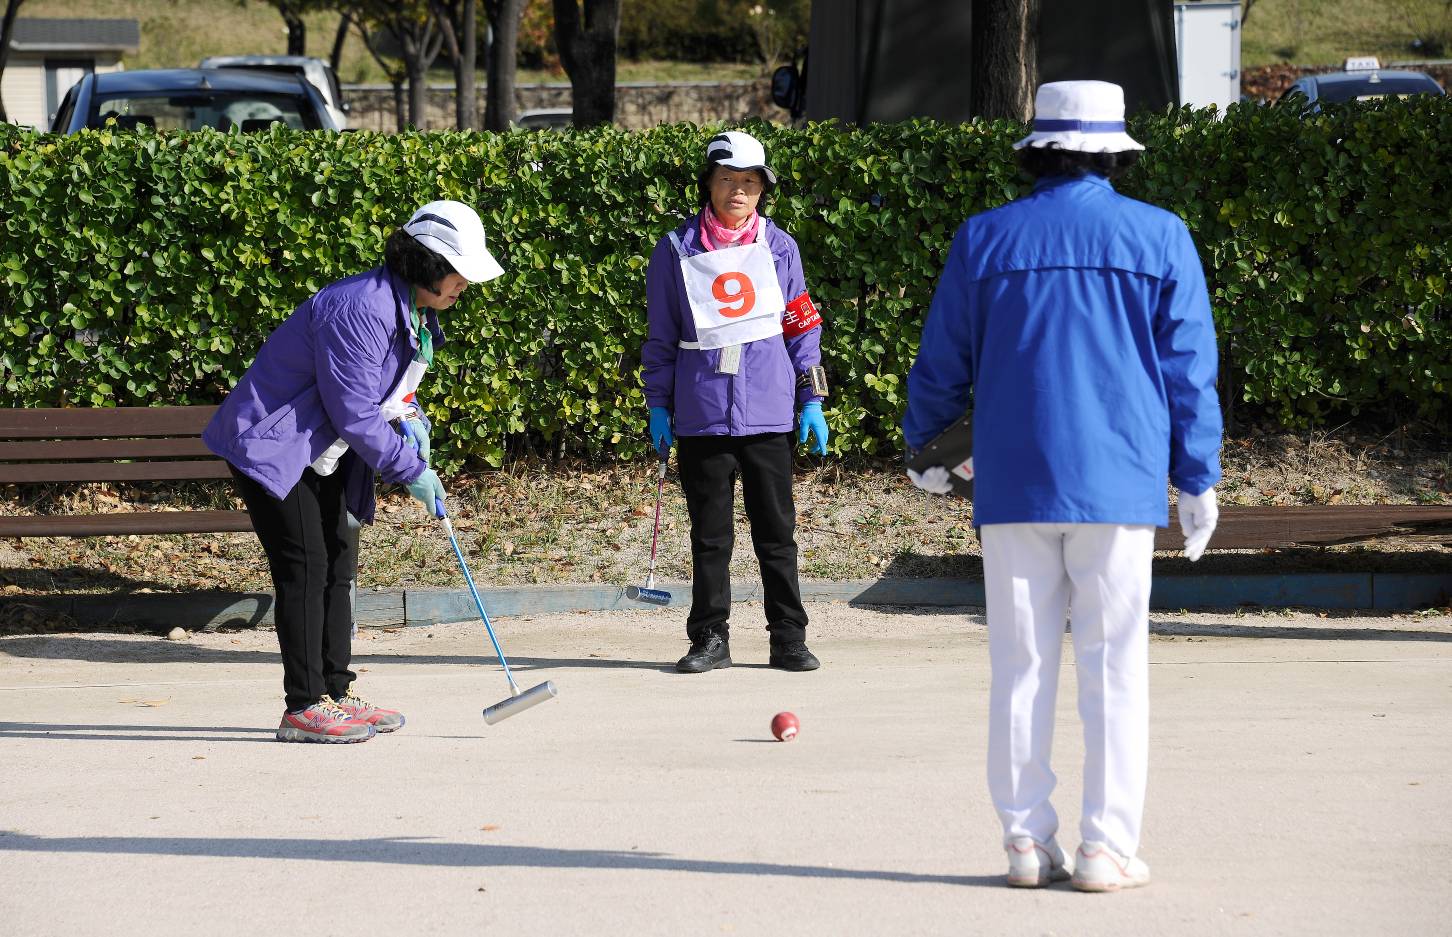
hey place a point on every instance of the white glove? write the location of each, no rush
(935, 481)
(1198, 514)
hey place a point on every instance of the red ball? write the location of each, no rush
(784, 726)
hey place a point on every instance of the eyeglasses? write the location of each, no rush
(730, 183)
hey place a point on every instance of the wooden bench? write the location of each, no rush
(1318, 525)
(123, 444)
(139, 444)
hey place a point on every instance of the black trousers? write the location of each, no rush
(313, 557)
(709, 466)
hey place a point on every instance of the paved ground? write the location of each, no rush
(1301, 784)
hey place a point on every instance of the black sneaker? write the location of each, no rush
(793, 656)
(709, 653)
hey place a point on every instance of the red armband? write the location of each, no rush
(801, 317)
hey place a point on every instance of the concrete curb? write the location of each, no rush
(204, 611)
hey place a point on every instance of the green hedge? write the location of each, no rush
(146, 269)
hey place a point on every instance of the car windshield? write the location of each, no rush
(1336, 92)
(241, 111)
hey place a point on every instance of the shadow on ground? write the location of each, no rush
(110, 650)
(426, 852)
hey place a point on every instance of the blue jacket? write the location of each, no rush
(1079, 321)
(321, 375)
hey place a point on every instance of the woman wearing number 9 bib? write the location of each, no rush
(732, 367)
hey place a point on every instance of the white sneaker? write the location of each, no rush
(1032, 864)
(1099, 868)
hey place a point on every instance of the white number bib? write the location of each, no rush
(734, 293)
(398, 404)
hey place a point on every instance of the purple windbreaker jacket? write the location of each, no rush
(762, 396)
(321, 375)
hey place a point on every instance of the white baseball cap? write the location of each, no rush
(736, 149)
(454, 232)
(1084, 116)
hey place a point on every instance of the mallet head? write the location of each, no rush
(648, 596)
(519, 703)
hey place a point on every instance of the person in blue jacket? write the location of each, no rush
(328, 404)
(1078, 322)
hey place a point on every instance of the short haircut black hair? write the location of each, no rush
(1044, 162)
(415, 264)
(703, 184)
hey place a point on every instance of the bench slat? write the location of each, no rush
(137, 522)
(103, 422)
(101, 449)
(1242, 528)
(46, 472)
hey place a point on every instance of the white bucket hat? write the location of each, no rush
(454, 232)
(1084, 116)
(736, 149)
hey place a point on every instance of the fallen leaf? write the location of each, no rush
(489, 827)
(199, 758)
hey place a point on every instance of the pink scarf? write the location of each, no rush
(716, 235)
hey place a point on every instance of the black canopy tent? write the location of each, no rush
(888, 60)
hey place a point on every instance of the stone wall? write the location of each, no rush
(637, 105)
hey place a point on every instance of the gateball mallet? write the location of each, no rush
(518, 701)
(648, 593)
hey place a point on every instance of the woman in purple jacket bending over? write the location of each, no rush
(327, 405)
(732, 361)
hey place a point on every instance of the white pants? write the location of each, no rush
(1097, 576)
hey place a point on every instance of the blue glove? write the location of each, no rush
(813, 422)
(417, 435)
(660, 428)
(428, 489)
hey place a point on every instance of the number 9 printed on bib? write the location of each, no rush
(736, 292)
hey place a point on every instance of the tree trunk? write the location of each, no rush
(418, 98)
(420, 44)
(335, 60)
(466, 87)
(395, 76)
(400, 106)
(297, 30)
(458, 25)
(7, 27)
(1005, 58)
(587, 51)
(504, 17)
